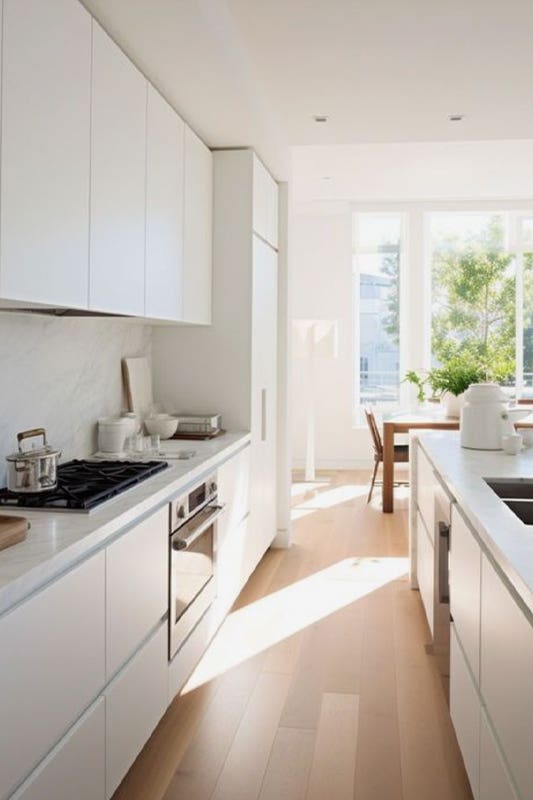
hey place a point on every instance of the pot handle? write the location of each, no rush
(30, 434)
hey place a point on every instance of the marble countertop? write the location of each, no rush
(508, 540)
(58, 540)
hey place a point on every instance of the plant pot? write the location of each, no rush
(452, 404)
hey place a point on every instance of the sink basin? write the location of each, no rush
(511, 488)
(522, 508)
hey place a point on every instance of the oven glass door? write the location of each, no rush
(191, 569)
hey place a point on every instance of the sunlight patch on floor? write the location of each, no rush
(262, 624)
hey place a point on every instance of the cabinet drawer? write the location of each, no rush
(425, 566)
(425, 488)
(76, 767)
(234, 491)
(506, 673)
(465, 711)
(135, 702)
(465, 588)
(52, 665)
(136, 586)
(494, 780)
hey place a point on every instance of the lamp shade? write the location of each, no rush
(315, 337)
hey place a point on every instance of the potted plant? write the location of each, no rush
(452, 380)
(411, 376)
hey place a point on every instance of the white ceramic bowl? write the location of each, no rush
(163, 424)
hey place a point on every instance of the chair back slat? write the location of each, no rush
(374, 432)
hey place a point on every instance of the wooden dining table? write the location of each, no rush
(403, 422)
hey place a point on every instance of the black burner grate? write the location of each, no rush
(82, 485)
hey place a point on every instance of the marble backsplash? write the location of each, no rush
(62, 374)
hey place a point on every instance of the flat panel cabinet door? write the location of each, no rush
(46, 85)
(425, 567)
(164, 210)
(465, 710)
(137, 587)
(53, 667)
(494, 781)
(118, 170)
(465, 588)
(506, 674)
(135, 702)
(198, 230)
(75, 769)
(265, 205)
(263, 411)
(425, 487)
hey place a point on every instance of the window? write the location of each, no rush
(465, 280)
(377, 255)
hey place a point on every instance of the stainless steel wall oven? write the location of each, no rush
(192, 582)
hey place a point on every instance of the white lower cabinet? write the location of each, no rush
(465, 711)
(136, 587)
(52, 665)
(425, 569)
(506, 674)
(425, 482)
(75, 769)
(465, 580)
(494, 780)
(135, 702)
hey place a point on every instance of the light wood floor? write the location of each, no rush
(318, 686)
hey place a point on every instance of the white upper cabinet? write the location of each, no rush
(118, 177)
(164, 210)
(46, 84)
(265, 212)
(198, 230)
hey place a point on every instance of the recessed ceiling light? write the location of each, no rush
(456, 117)
(320, 118)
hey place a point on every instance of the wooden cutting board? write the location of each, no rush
(138, 385)
(12, 530)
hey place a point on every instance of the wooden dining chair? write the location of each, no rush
(401, 451)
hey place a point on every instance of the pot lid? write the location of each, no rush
(33, 453)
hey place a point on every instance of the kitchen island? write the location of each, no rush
(484, 586)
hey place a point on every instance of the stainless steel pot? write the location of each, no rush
(32, 470)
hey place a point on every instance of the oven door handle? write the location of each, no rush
(184, 543)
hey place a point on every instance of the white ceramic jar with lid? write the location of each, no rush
(112, 432)
(486, 417)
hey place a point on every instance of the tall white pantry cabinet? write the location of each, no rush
(231, 366)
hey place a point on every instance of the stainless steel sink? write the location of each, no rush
(511, 488)
(522, 508)
(517, 494)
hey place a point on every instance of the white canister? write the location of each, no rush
(112, 432)
(486, 417)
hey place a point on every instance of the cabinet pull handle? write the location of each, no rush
(263, 415)
(444, 551)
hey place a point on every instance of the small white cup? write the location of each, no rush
(512, 444)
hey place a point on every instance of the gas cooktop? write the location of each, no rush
(83, 485)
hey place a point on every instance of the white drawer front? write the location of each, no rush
(425, 570)
(75, 769)
(137, 587)
(135, 702)
(425, 482)
(52, 665)
(494, 781)
(465, 588)
(465, 711)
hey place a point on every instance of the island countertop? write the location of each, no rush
(508, 540)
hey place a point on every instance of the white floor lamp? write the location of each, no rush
(313, 339)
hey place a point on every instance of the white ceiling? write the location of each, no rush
(254, 72)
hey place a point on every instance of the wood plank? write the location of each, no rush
(202, 763)
(287, 774)
(245, 766)
(333, 767)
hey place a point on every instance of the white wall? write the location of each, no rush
(62, 374)
(487, 174)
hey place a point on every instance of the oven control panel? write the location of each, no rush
(187, 505)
